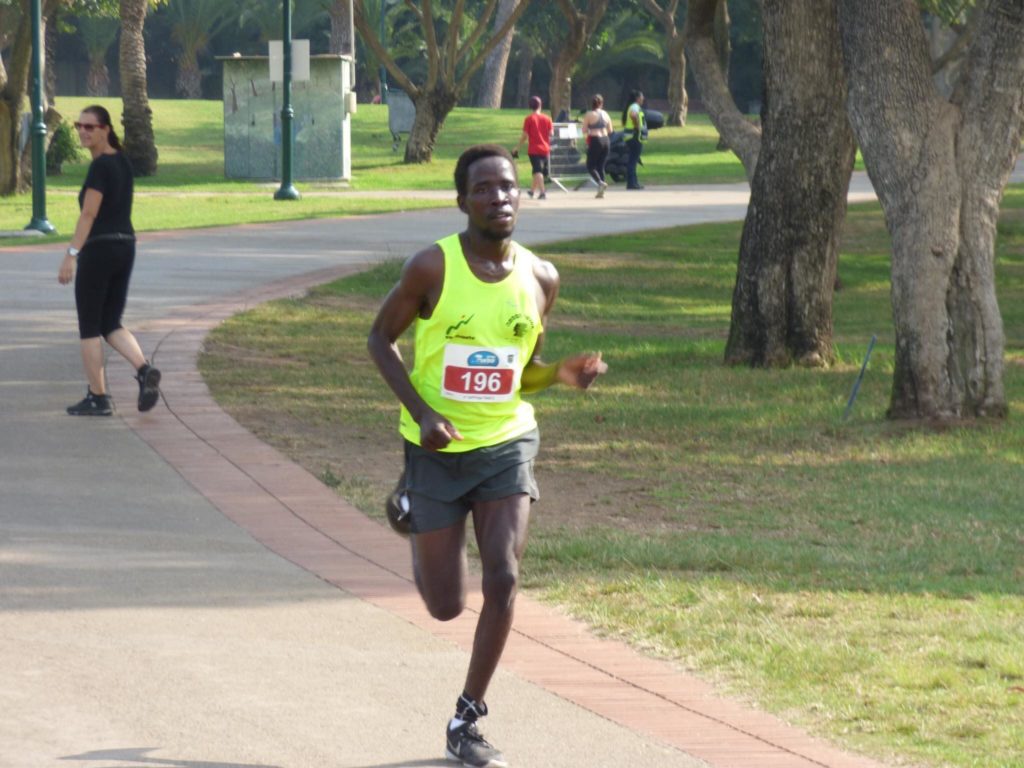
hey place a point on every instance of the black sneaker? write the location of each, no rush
(467, 746)
(91, 405)
(149, 386)
(396, 507)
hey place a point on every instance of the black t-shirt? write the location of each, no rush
(111, 175)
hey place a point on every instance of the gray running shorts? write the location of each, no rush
(442, 487)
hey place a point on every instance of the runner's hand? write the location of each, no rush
(581, 370)
(436, 432)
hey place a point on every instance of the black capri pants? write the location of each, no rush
(101, 286)
(597, 157)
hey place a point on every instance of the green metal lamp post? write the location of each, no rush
(38, 129)
(287, 190)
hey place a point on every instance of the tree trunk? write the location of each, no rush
(432, 107)
(10, 165)
(939, 169)
(13, 86)
(723, 44)
(139, 144)
(97, 82)
(524, 81)
(678, 101)
(189, 82)
(580, 25)
(702, 52)
(782, 302)
(343, 39)
(560, 89)
(675, 47)
(492, 85)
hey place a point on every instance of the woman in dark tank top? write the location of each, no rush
(100, 260)
(597, 127)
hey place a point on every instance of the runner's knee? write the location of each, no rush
(501, 584)
(445, 607)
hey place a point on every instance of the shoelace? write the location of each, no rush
(473, 734)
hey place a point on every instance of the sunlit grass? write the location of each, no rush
(189, 189)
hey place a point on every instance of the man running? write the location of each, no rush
(479, 302)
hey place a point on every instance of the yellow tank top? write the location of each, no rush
(470, 353)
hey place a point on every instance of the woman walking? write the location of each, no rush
(99, 260)
(597, 126)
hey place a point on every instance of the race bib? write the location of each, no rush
(473, 374)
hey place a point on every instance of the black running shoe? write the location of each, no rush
(91, 405)
(396, 507)
(149, 386)
(467, 746)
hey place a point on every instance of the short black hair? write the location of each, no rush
(470, 156)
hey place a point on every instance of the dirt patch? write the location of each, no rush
(363, 468)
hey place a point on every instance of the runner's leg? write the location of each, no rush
(501, 530)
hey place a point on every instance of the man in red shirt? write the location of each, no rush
(537, 130)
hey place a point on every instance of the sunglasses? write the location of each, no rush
(87, 127)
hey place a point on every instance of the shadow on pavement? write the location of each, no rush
(138, 755)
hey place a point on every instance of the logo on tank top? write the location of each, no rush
(451, 331)
(521, 325)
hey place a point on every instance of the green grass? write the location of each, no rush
(189, 189)
(862, 578)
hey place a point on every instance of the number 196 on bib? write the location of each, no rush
(476, 383)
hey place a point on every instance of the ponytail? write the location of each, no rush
(633, 96)
(103, 117)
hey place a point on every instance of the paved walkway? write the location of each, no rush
(175, 593)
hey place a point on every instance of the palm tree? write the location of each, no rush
(97, 35)
(195, 22)
(139, 144)
(265, 16)
(625, 44)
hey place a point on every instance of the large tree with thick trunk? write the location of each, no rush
(939, 167)
(704, 48)
(675, 50)
(492, 84)
(782, 301)
(139, 142)
(581, 23)
(455, 47)
(799, 170)
(15, 167)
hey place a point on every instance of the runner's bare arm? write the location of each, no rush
(577, 371)
(414, 295)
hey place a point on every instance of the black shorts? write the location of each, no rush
(539, 163)
(442, 487)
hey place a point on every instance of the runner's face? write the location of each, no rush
(492, 197)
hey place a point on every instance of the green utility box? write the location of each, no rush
(321, 127)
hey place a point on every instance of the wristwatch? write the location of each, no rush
(72, 252)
